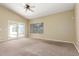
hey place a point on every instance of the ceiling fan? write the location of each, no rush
(29, 7)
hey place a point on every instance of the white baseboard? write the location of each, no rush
(3, 40)
(55, 40)
(10, 39)
(62, 41)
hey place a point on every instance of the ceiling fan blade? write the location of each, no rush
(30, 10)
(26, 10)
(32, 6)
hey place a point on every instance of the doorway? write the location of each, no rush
(16, 29)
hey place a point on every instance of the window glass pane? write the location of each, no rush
(12, 30)
(21, 30)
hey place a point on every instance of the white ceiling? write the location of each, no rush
(40, 10)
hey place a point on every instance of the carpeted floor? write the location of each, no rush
(34, 47)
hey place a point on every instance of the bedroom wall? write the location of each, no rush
(57, 27)
(6, 15)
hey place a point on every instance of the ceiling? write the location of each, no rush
(40, 10)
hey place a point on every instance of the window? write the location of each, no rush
(16, 29)
(36, 28)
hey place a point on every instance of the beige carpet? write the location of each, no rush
(35, 47)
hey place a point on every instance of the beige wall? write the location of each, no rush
(77, 25)
(6, 15)
(57, 27)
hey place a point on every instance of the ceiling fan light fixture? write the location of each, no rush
(28, 7)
